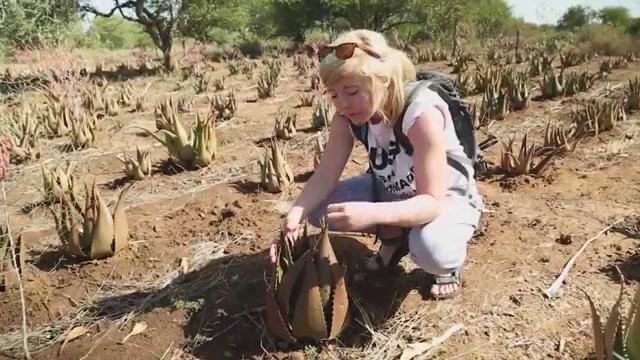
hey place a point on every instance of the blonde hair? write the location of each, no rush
(393, 69)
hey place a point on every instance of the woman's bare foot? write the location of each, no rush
(444, 289)
(446, 286)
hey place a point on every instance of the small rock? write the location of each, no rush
(228, 212)
(237, 204)
(564, 239)
(156, 228)
(544, 259)
(202, 215)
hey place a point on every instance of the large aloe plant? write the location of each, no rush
(306, 295)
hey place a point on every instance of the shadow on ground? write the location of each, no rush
(629, 266)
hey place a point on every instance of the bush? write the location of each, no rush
(253, 48)
(223, 36)
(606, 40)
(279, 45)
(222, 53)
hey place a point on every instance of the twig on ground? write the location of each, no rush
(16, 268)
(417, 349)
(166, 351)
(553, 289)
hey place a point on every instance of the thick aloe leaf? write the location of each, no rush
(633, 331)
(340, 302)
(102, 237)
(275, 322)
(285, 257)
(89, 220)
(611, 327)
(289, 280)
(276, 271)
(325, 258)
(67, 228)
(598, 333)
(120, 225)
(308, 318)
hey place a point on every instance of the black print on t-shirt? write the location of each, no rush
(385, 158)
(399, 185)
(381, 158)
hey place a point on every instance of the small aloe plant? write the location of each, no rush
(137, 168)
(514, 163)
(93, 232)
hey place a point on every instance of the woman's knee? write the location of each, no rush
(439, 248)
(357, 188)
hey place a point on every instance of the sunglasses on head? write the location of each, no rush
(345, 51)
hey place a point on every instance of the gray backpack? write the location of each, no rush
(446, 88)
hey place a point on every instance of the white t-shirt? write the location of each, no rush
(394, 167)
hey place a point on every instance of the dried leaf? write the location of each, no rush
(413, 350)
(75, 333)
(138, 328)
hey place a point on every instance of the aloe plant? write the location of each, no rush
(514, 163)
(619, 337)
(306, 295)
(93, 232)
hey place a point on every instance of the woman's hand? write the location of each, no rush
(289, 228)
(352, 216)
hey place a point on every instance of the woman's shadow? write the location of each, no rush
(231, 322)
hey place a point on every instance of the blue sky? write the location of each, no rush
(536, 11)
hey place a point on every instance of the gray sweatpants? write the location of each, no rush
(438, 247)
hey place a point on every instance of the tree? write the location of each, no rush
(200, 17)
(633, 28)
(490, 18)
(158, 17)
(118, 33)
(576, 17)
(33, 22)
(615, 15)
(377, 15)
(295, 17)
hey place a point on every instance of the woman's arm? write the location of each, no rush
(332, 163)
(430, 166)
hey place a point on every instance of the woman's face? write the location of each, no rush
(353, 99)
